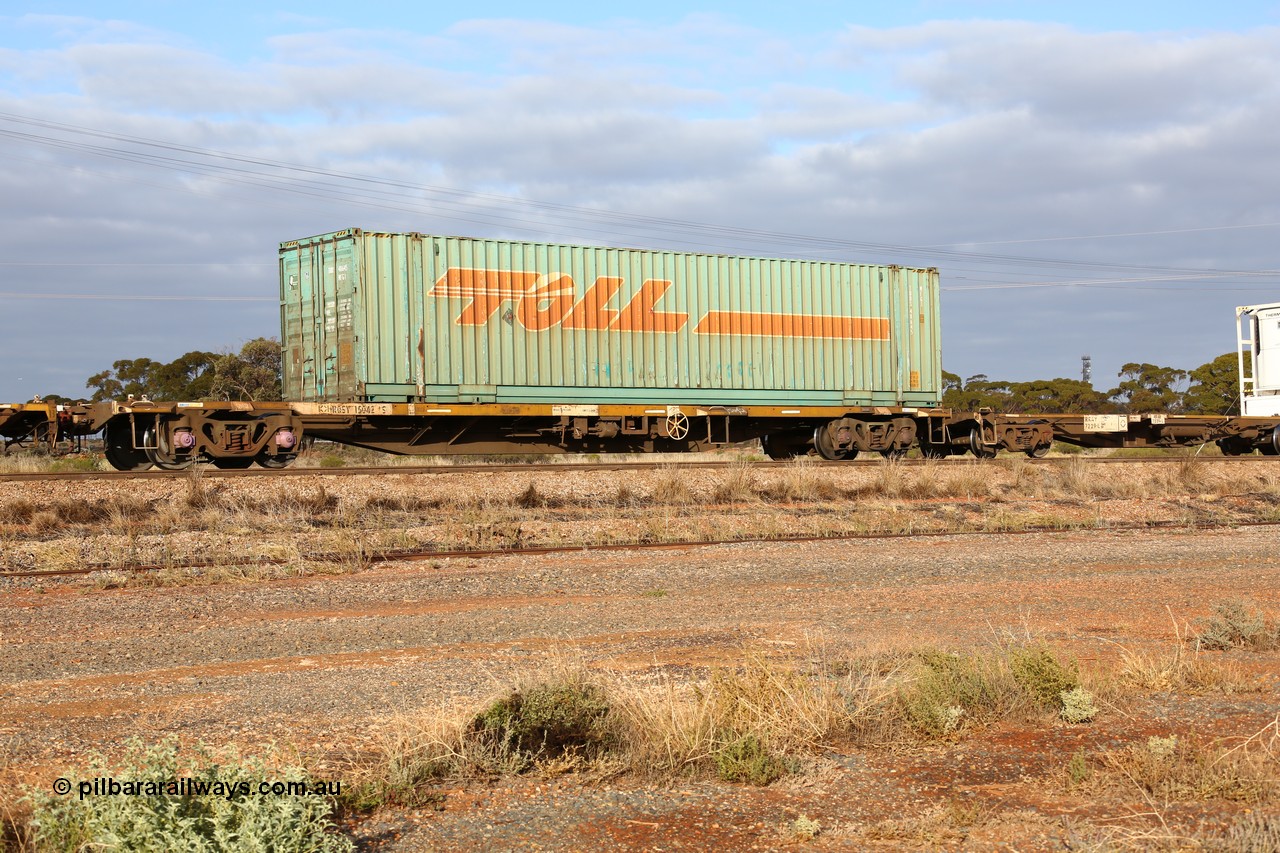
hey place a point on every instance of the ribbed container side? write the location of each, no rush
(413, 317)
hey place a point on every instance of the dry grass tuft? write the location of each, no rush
(200, 495)
(1176, 768)
(672, 487)
(18, 512)
(744, 723)
(626, 498)
(940, 826)
(802, 482)
(1173, 669)
(400, 503)
(1189, 473)
(968, 480)
(530, 498)
(737, 486)
(892, 481)
(313, 505)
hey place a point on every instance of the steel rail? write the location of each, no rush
(411, 555)
(539, 468)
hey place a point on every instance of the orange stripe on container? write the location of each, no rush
(757, 324)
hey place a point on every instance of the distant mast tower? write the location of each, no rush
(1086, 369)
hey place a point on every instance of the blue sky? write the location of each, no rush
(1089, 177)
(236, 26)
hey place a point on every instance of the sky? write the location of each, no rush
(1088, 177)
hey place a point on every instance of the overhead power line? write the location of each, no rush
(492, 209)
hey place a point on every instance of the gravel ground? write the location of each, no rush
(322, 662)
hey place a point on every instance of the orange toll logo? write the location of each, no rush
(543, 301)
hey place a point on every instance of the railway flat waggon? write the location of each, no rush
(419, 344)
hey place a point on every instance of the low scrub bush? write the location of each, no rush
(745, 758)
(569, 719)
(1238, 624)
(1079, 771)
(1176, 768)
(805, 828)
(232, 817)
(74, 464)
(1077, 705)
(948, 692)
(1045, 678)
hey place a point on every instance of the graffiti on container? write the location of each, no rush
(545, 301)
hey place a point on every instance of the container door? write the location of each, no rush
(331, 300)
(300, 323)
(344, 380)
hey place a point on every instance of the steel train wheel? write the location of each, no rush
(978, 448)
(161, 456)
(1040, 451)
(777, 449)
(826, 447)
(1272, 448)
(119, 450)
(271, 460)
(1235, 446)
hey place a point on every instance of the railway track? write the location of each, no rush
(216, 473)
(412, 555)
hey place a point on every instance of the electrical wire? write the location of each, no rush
(469, 206)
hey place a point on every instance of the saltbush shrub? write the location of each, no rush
(234, 817)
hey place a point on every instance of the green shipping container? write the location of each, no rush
(380, 317)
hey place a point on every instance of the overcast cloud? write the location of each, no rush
(990, 139)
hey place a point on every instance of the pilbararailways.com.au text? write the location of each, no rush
(185, 786)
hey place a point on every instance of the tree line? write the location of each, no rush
(1211, 388)
(252, 374)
